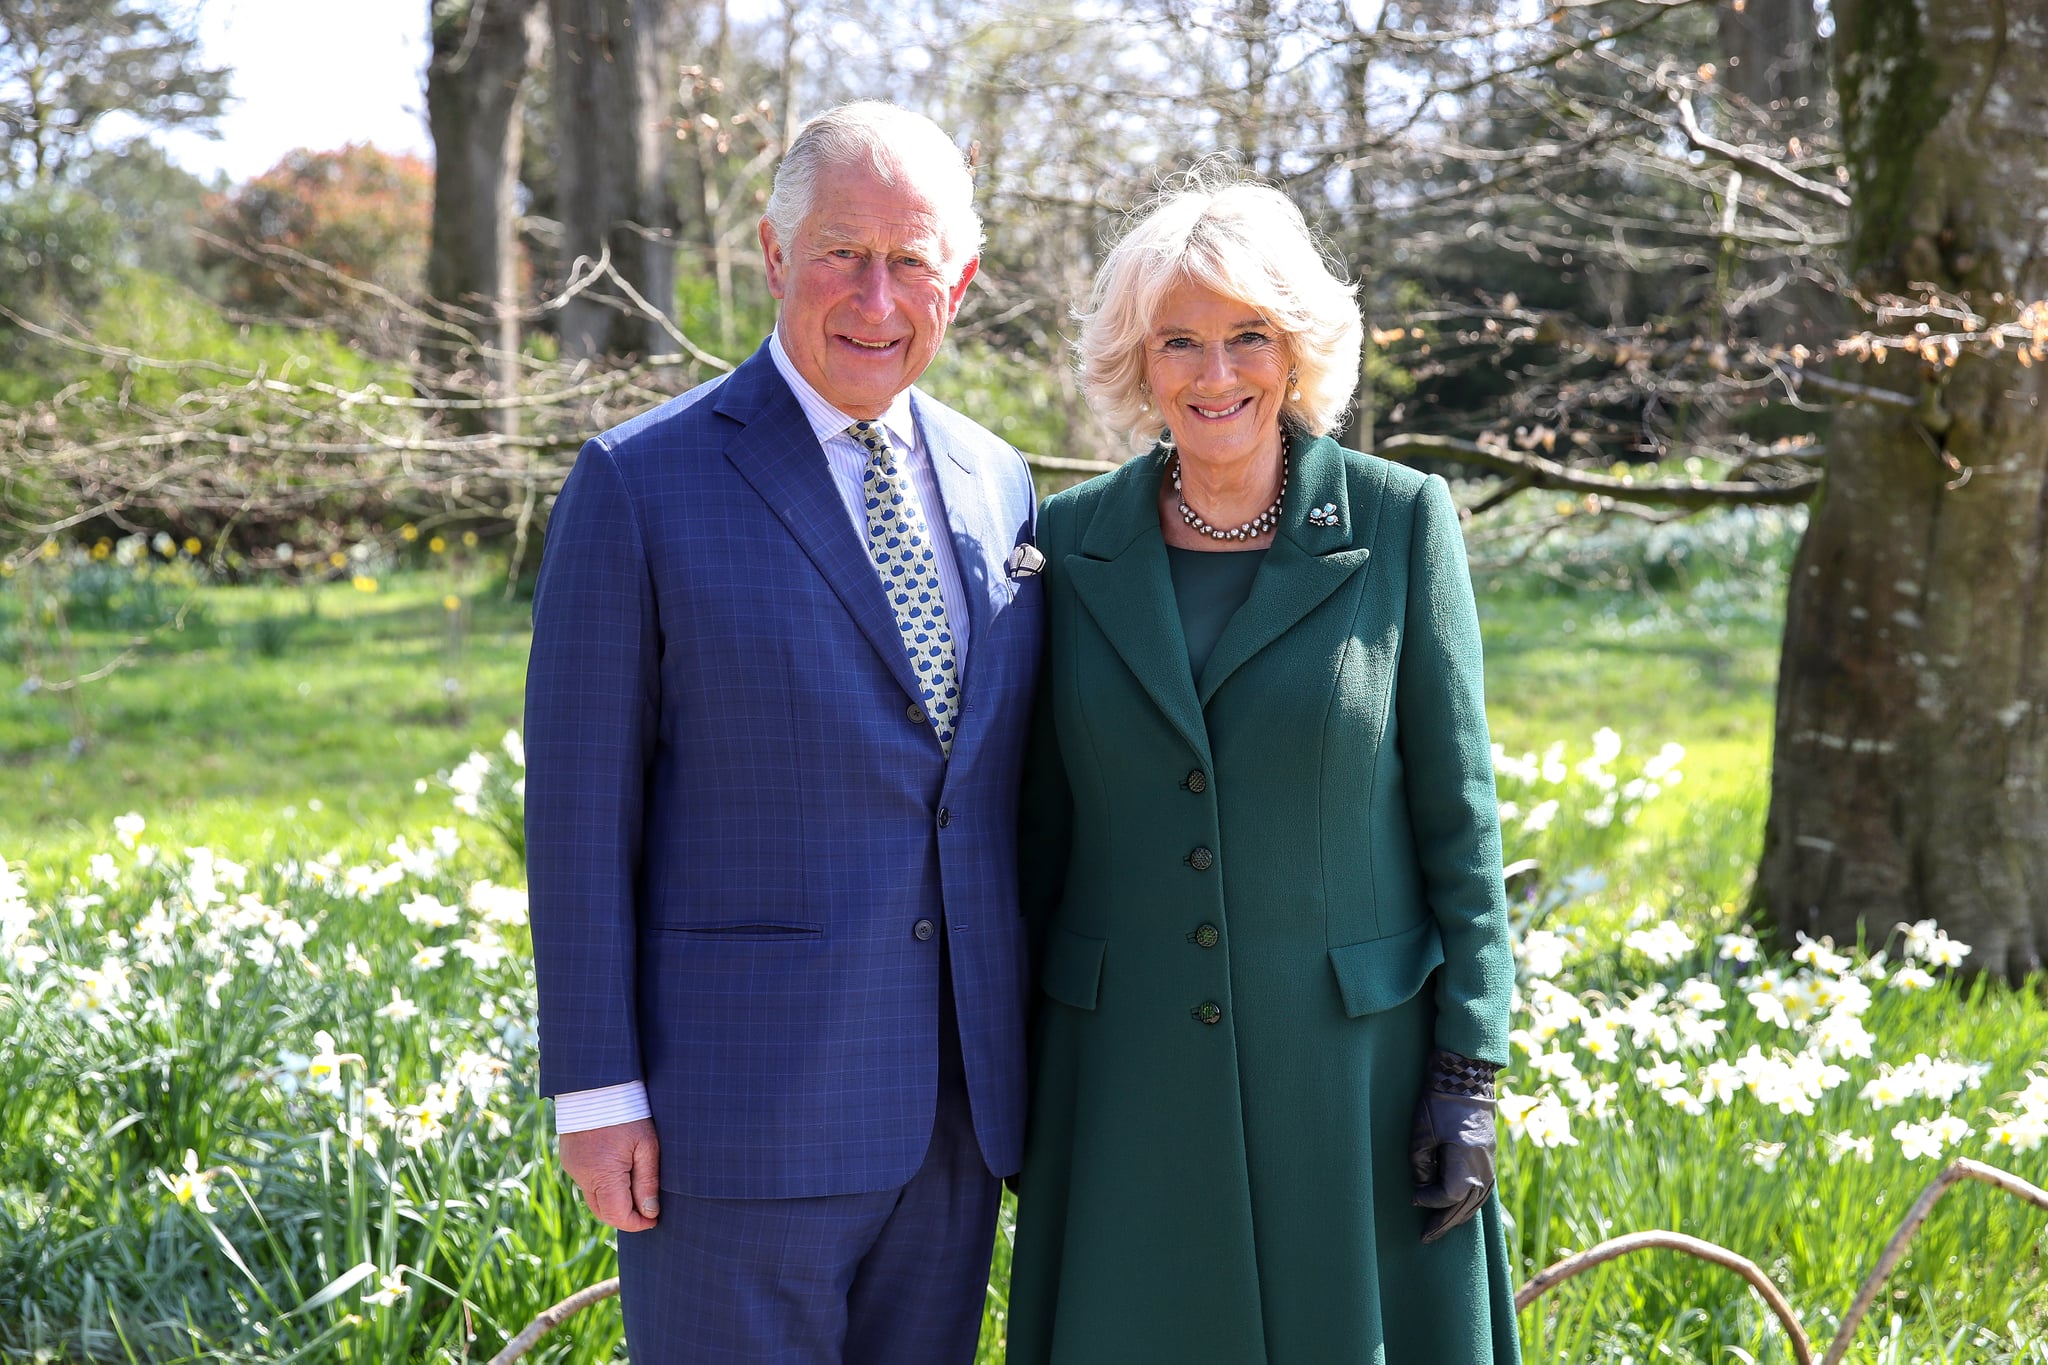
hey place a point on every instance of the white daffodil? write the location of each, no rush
(1820, 955)
(2021, 1133)
(1660, 1074)
(1543, 953)
(428, 913)
(503, 906)
(1846, 1145)
(399, 1010)
(1740, 948)
(390, 1289)
(191, 1185)
(1663, 945)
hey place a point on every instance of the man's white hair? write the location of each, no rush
(893, 142)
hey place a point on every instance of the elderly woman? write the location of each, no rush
(1261, 833)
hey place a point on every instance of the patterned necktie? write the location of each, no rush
(902, 551)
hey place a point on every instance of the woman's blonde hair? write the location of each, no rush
(1245, 241)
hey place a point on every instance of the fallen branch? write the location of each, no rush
(1962, 1168)
(1551, 1276)
(552, 1318)
(1888, 1260)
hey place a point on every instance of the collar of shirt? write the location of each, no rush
(829, 422)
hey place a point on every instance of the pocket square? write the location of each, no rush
(1025, 561)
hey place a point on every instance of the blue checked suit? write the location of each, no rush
(735, 825)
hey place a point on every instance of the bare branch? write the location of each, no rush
(1554, 1275)
(1539, 472)
(1750, 159)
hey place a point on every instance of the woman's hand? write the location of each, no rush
(1450, 1147)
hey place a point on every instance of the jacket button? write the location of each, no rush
(914, 713)
(1205, 936)
(1201, 859)
(945, 817)
(1196, 782)
(1208, 1012)
(923, 929)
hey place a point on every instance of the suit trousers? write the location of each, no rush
(894, 1277)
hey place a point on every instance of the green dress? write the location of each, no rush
(1258, 895)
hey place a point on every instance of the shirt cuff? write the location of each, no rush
(580, 1110)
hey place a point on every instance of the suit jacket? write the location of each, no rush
(1263, 894)
(744, 845)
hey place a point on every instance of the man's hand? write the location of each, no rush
(618, 1168)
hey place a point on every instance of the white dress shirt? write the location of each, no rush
(579, 1110)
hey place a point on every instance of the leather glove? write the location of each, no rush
(1451, 1146)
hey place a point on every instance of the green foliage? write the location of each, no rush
(364, 212)
(156, 204)
(66, 64)
(54, 243)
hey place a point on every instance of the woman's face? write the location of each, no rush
(1218, 372)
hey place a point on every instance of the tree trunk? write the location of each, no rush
(614, 72)
(476, 85)
(1912, 728)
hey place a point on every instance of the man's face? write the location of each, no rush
(865, 299)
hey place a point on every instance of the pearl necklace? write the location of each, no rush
(1251, 530)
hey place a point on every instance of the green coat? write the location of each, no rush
(1257, 900)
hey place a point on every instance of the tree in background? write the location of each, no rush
(1911, 772)
(483, 52)
(612, 95)
(361, 213)
(67, 64)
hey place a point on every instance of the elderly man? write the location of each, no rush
(785, 639)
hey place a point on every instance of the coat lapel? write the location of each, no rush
(778, 453)
(980, 549)
(1121, 577)
(1308, 560)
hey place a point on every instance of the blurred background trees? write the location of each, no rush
(1619, 258)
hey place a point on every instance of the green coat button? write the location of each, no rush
(1201, 859)
(1205, 936)
(1208, 1012)
(1196, 782)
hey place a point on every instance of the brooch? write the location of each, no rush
(1025, 561)
(1326, 515)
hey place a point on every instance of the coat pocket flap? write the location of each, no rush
(1382, 972)
(1073, 968)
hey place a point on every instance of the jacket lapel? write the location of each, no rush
(1121, 577)
(777, 452)
(980, 549)
(1308, 561)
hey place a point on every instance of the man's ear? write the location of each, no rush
(778, 268)
(958, 293)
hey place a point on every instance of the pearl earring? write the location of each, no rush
(1294, 381)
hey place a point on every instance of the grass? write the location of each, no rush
(228, 730)
(303, 711)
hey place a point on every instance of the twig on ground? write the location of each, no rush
(548, 1321)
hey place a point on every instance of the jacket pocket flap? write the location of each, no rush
(1382, 972)
(1073, 968)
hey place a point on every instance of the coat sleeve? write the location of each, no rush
(592, 700)
(1452, 805)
